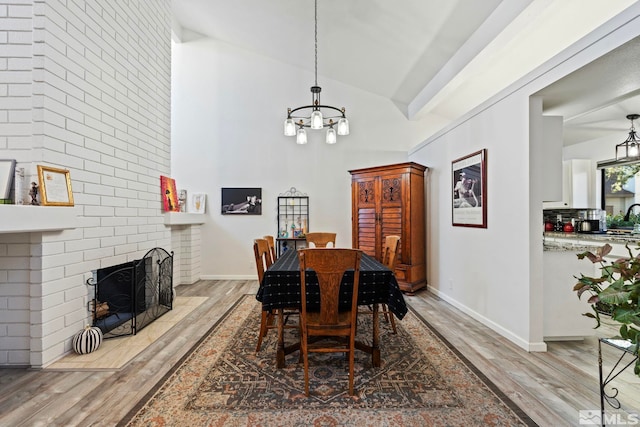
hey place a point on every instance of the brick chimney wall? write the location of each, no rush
(84, 86)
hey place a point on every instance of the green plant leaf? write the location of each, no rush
(626, 315)
(630, 334)
(594, 316)
(614, 295)
(616, 292)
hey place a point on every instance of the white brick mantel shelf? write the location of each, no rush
(182, 218)
(27, 218)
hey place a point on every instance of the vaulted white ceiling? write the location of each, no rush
(434, 59)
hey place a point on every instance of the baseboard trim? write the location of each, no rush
(524, 344)
(228, 277)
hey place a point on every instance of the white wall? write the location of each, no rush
(228, 109)
(89, 91)
(493, 274)
(482, 270)
(599, 149)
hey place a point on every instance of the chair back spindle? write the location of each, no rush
(272, 247)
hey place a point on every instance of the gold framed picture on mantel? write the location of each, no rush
(55, 186)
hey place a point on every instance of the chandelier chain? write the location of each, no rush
(316, 41)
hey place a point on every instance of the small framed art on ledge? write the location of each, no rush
(6, 177)
(169, 194)
(55, 186)
(197, 203)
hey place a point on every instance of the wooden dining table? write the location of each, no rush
(280, 290)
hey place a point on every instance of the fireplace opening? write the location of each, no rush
(131, 295)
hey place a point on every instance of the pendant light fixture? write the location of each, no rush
(629, 149)
(316, 116)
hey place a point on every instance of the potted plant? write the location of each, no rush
(615, 294)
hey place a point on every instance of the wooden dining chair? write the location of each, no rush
(321, 239)
(272, 247)
(270, 319)
(263, 261)
(338, 327)
(389, 257)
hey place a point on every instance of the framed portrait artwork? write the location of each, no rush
(169, 194)
(469, 190)
(55, 186)
(242, 201)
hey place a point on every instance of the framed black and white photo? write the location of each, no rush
(6, 177)
(469, 190)
(241, 201)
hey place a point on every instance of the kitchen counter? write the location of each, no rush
(563, 310)
(580, 242)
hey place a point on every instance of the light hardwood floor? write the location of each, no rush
(550, 387)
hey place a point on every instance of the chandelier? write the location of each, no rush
(316, 116)
(630, 148)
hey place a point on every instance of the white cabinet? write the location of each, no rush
(578, 186)
(546, 135)
(563, 319)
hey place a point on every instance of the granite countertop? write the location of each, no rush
(596, 237)
(580, 242)
(567, 246)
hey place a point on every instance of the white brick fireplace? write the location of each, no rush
(85, 87)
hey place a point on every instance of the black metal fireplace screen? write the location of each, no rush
(130, 296)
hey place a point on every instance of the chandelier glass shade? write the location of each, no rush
(629, 149)
(316, 116)
(301, 136)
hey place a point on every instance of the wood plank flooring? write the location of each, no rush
(550, 387)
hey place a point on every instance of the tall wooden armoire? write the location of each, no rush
(389, 200)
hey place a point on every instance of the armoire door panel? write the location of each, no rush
(366, 215)
(366, 233)
(366, 193)
(391, 190)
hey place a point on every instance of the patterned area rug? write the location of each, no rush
(422, 381)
